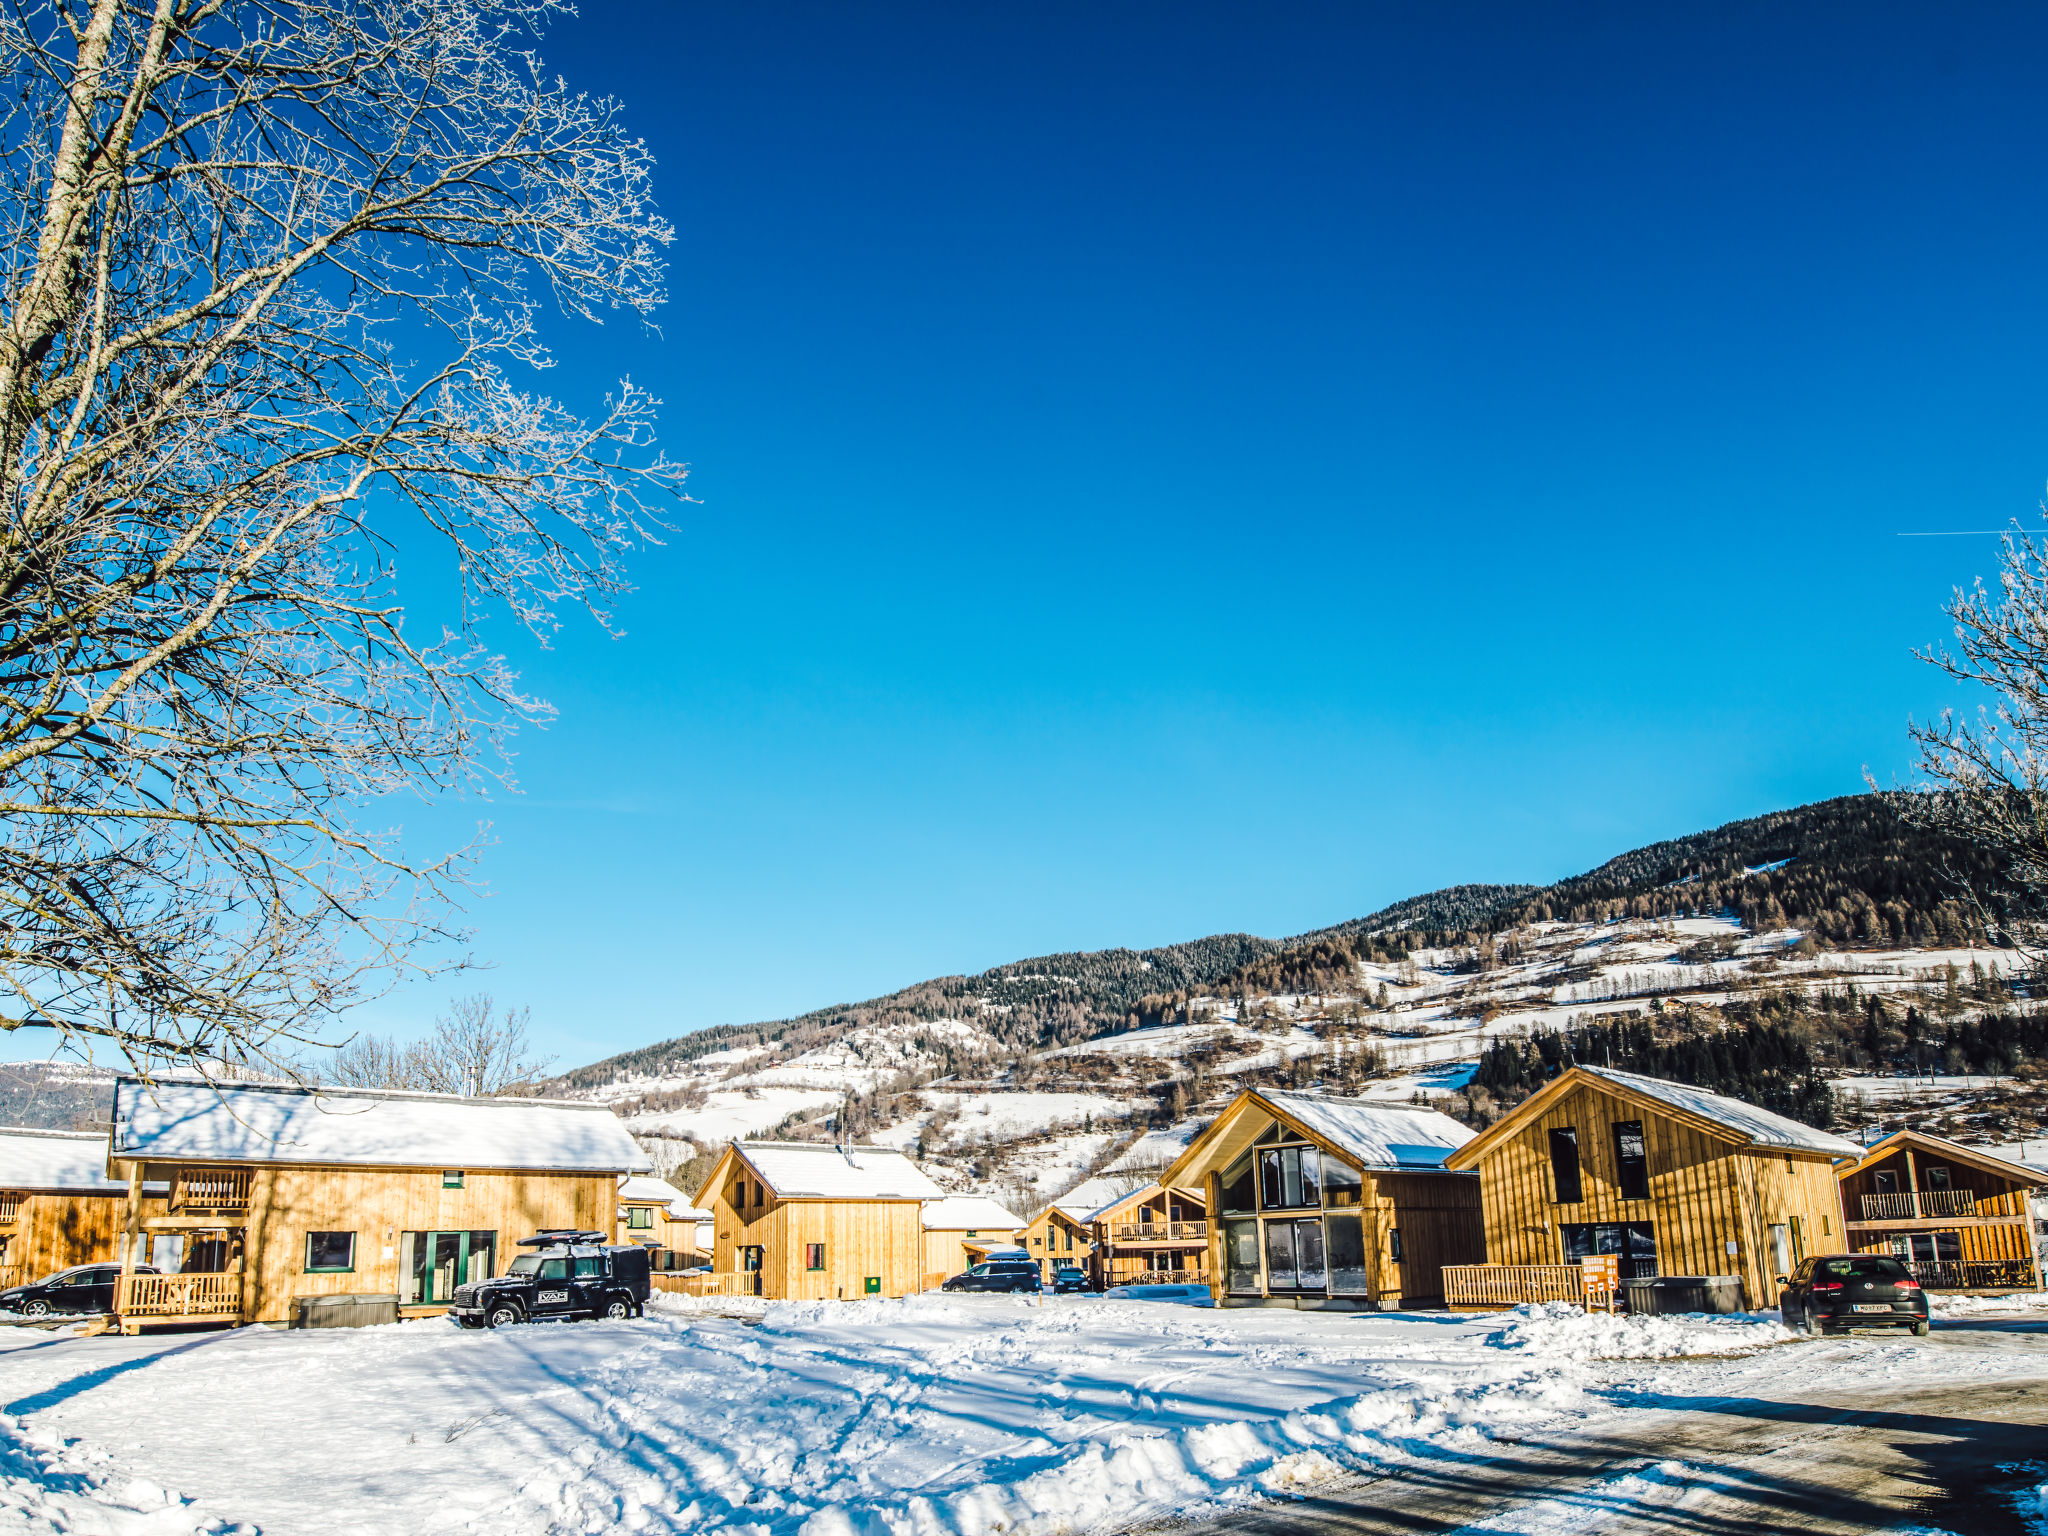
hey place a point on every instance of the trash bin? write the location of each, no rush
(345, 1311)
(1662, 1295)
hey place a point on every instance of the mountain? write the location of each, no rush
(1845, 869)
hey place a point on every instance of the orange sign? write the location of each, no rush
(1601, 1274)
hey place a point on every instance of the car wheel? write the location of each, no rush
(35, 1308)
(617, 1310)
(503, 1315)
(1920, 1329)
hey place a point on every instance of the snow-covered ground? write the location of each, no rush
(932, 1416)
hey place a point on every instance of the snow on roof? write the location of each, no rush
(189, 1119)
(1760, 1126)
(807, 1170)
(1091, 1195)
(968, 1213)
(645, 1189)
(1378, 1134)
(74, 1161)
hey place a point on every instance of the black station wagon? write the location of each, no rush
(1852, 1290)
(84, 1288)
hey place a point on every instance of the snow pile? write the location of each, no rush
(1978, 1306)
(1558, 1329)
(51, 1485)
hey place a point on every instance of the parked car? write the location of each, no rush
(568, 1275)
(997, 1275)
(83, 1288)
(1067, 1279)
(1181, 1295)
(1852, 1290)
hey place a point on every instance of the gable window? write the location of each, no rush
(1937, 1176)
(330, 1252)
(1564, 1164)
(1887, 1180)
(1237, 1186)
(1342, 1184)
(814, 1256)
(1631, 1160)
(451, 1178)
(1290, 1178)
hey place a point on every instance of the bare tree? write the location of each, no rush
(1986, 778)
(271, 277)
(473, 1050)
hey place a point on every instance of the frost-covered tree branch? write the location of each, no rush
(269, 278)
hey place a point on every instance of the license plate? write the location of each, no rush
(1873, 1306)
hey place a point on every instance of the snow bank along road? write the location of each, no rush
(926, 1417)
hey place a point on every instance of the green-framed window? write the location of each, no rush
(330, 1253)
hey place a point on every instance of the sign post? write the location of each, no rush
(1600, 1280)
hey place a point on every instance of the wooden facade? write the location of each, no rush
(277, 1193)
(804, 1243)
(960, 1231)
(1686, 1185)
(1346, 1224)
(58, 1208)
(1056, 1238)
(1155, 1234)
(1956, 1216)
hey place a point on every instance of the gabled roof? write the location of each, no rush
(969, 1213)
(1091, 1195)
(809, 1170)
(179, 1119)
(1376, 1136)
(67, 1162)
(1990, 1162)
(645, 1189)
(1742, 1125)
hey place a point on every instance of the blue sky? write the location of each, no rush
(1172, 469)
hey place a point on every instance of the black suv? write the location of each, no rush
(569, 1274)
(1852, 1290)
(997, 1275)
(1068, 1279)
(87, 1288)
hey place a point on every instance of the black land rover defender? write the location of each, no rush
(567, 1274)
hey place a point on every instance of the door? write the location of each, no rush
(553, 1296)
(432, 1264)
(1781, 1250)
(750, 1264)
(1294, 1256)
(589, 1281)
(103, 1280)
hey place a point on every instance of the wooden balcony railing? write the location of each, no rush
(1915, 1205)
(727, 1284)
(211, 1189)
(1509, 1285)
(1161, 1277)
(1964, 1275)
(10, 1206)
(210, 1295)
(1160, 1232)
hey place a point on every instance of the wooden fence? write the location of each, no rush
(1489, 1287)
(729, 1284)
(1158, 1231)
(178, 1296)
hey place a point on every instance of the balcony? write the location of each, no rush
(10, 1206)
(1161, 1232)
(217, 1191)
(1920, 1205)
(148, 1299)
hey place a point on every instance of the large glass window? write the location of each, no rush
(1294, 1256)
(432, 1264)
(1290, 1179)
(1631, 1160)
(1342, 1184)
(1345, 1246)
(1564, 1164)
(1241, 1257)
(1634, 1242)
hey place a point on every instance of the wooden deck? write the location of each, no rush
(1491, 1287)
(728, 1284)
(153, 1300)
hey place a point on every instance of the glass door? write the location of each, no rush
(432, 1264)
(1294, 1256)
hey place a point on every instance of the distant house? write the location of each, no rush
(1064, 1232)
(58, 1206)
(959, 1230)
(808, 1221)
(1667, 1178)
(654, 1214)
(1152, 1233)
(279, 1192)
(1329, 1203)
(1958, 1216)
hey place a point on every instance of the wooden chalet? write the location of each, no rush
(1063, 1234)
(959, 1231)
(812, 1222)
(1152, 1234)
(58, 1206)
(1331, 1203)
(1957, 1216)
(274, 1192)
(655, 1215)
(1669, 1179)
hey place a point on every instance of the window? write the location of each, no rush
(1631, 1160)
(1394, 1244)
(814, 1255)
(1937, 1176)
(1633, 1241)
(1294, 1256)
(1344, 1240)
(1289, 1179)
(1241, 1257)
(1068, 1234)
(1827, 1226)
(1887, 1181)
(1341, 1184)
(1237, 1187)
(1564, 1164)
(589, 1266)
(330, 1252)
(554, 1269)
(432, 1264)
(1038, 1242)
(451, 1178)
(639, 1217)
